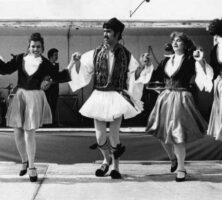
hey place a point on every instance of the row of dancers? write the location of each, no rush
(118, 81)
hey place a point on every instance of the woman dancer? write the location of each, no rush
(215, 125)
(175, 119)
(29, 108)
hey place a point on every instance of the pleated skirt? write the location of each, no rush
(29, 110)
(110, 105)
(175, 118)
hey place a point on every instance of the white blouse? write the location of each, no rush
(203, 77)
(31, 64)
(173, 64)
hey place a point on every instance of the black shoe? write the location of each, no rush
(24, 170)
(35, 177)
(174, 165)
(183, 178)
(102, 170)
(115, 174)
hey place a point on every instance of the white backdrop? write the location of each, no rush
(104, 9)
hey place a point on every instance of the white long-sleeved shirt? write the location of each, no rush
(81, 79)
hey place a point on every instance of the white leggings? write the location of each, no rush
(101, 134)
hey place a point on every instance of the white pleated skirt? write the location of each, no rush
(110, 105)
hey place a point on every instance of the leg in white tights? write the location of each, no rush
(180, 152)
(21, 144)
(169, 150)
(31, 146)
(114, 138)
(101, 137)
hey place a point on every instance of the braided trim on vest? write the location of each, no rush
(117, 80)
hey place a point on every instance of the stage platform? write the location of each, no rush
(71, 145)
(142, 180)
(66, 168)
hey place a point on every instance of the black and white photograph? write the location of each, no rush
(110, 100)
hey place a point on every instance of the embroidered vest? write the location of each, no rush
(117, 79)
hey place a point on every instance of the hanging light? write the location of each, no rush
(132, 12)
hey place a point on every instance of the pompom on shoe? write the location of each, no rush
(102, 170)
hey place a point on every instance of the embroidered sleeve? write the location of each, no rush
(83, 77)
(204, 78)
(135, 88)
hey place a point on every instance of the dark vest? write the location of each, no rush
(33, 82)
(117, 80)
(181, 78)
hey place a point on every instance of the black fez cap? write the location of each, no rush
(115, 25)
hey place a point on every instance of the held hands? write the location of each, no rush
(198, 55)
(75, 60)
(76, 57)
(145, 60)
(46, 83)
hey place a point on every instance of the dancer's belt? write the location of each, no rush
(176, 88)
(160, 89)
